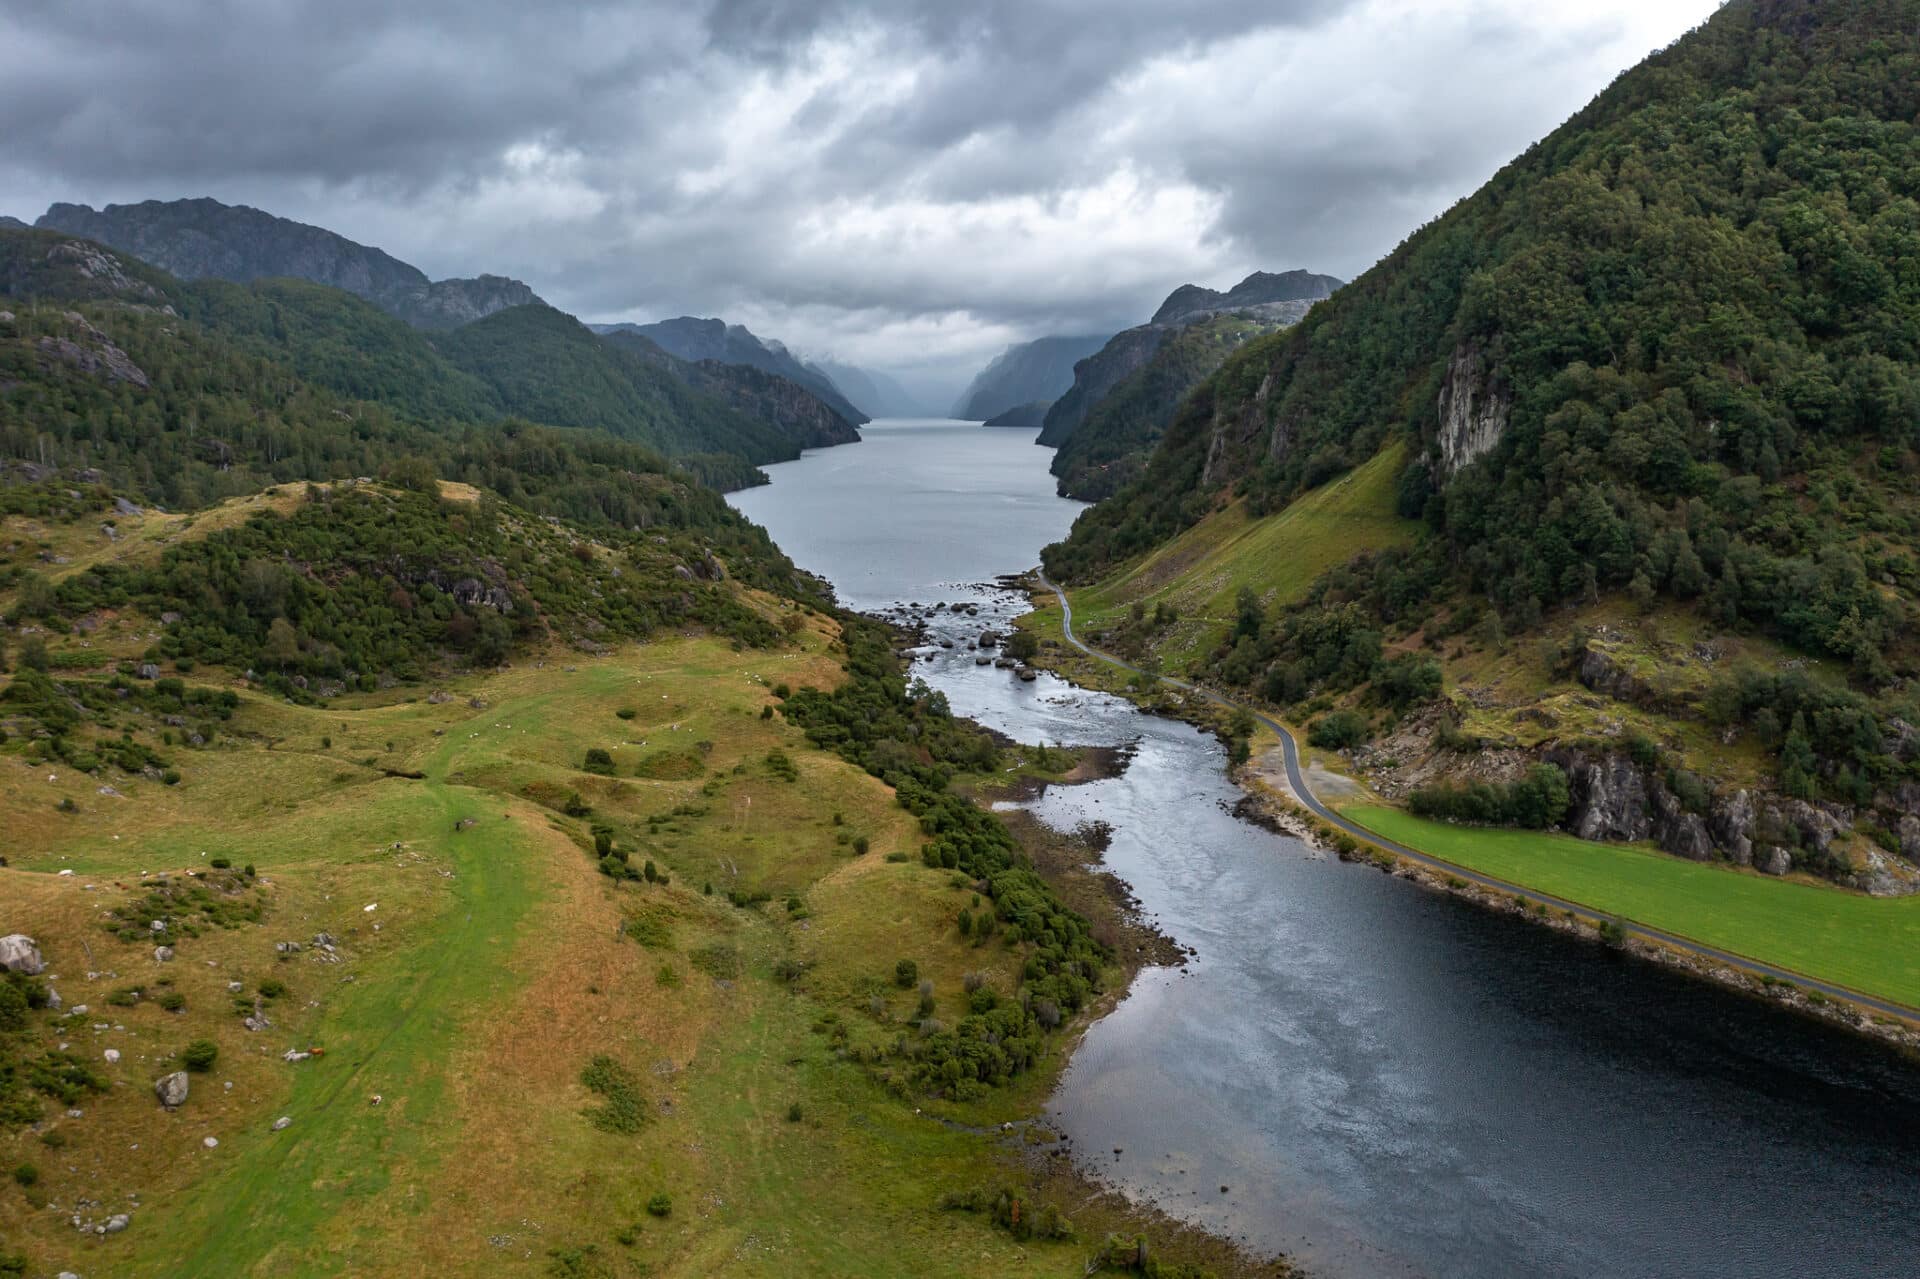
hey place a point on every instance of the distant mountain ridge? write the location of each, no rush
(1023, 373)
(1137, 366)
(872, 392)
(203, 238)
(695, 339)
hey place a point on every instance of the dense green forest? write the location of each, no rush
(1112, 445)
(546, 366)
(291, 346)
(1671, 353)
(1701, 297)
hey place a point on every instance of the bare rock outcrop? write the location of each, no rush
(1474, 405)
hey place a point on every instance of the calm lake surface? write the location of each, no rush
(1388, 1081)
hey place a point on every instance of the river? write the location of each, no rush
(1384, 1080)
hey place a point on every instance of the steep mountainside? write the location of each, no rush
(872, 392)
(548, 367)
(1124, 436)
(800, 415)
(1659, 381)
(1111, 444)
(1023, 373)
(1099, 373)
(198, 239)
(695, 340)
(194, 392)
(720, 421)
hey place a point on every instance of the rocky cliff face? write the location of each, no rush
(1473, 409)
(1098, 374)
(1283, 297)
(1615, 798)
(448, 304)
(199, 239)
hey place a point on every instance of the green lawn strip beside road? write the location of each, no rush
(1868, 944)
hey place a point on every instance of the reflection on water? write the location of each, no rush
(1387, 1081)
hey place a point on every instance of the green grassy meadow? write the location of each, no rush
(1201, 572)
(1869, 944)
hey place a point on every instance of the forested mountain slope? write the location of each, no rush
(1111, 442)
(1660, 385)
(697, 341)
(1023, 373)
(529, 363)
(205, 239)
(182, 413)
(1108, 421)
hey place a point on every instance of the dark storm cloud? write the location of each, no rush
(908, 182)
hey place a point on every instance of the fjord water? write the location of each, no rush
(1385, 1081)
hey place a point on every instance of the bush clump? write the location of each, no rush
(623, 1109)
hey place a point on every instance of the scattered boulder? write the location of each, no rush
(112, 1055)
(172, 1089)
(19, 954)
(282, 1122)
(117, 1222)
(1773, 861)
(148, 670)
(163, 954)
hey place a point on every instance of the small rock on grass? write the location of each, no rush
(282, 1122)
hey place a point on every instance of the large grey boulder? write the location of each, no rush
(1773, 861)
(1733, 818)
(18, 954)
(172, 1089)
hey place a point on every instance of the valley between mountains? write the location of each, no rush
(458, 816)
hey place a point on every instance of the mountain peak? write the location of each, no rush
(201, 237)
(1262, 290)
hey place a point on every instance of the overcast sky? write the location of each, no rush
(907, 184)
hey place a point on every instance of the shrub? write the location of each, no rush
(660, 1205)
(624, 1110)
(795, 1114)
(221, 863)
(26, 1174)
(200, 1055)
(906, 974)
(1338, 730)
(626, 712)
(860, 845)
(273, 988)
(599, 761)
(173, 1001)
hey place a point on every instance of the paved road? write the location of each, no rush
(1290, 752)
